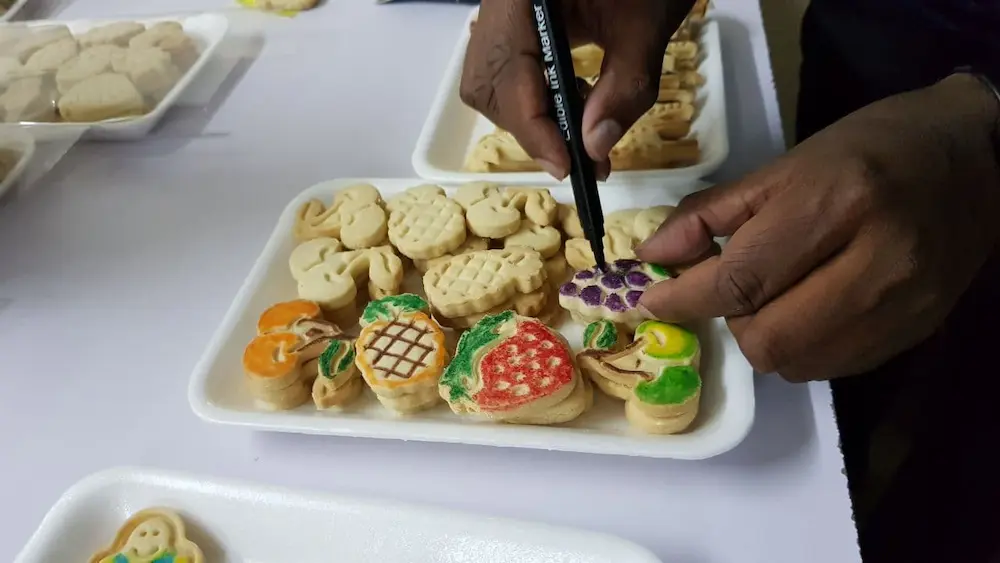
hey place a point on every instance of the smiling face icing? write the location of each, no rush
(152, 541)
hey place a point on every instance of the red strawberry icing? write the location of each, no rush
(529, 365)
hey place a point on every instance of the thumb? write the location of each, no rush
(688, 232)
(628, 86)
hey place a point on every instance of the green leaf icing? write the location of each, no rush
(660, 270)
(600, 335)
(483, 333)
(330, 354)
(674, 386)
(388, 308)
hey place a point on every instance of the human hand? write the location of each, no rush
(851, 248)
(502, 77)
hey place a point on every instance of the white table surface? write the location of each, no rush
(117, 267)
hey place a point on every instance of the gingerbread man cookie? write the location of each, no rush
(153, 535)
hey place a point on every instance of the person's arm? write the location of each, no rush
(852, 247)
(502, 77)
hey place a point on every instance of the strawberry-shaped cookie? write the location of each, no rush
(401, 352)
(515, 369)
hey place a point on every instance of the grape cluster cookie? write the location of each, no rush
(612, 294)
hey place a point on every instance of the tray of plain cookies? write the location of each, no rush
(470, 313)
(135, 515)
(682, 138)
(111, 78)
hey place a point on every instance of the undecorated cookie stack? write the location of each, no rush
(121, 69)
(660, 138)
(489, 265)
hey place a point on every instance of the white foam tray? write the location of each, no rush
(217, 391)
(452, 128)
(208, 30)
(14, 9)
(24, 144)
(241, 522)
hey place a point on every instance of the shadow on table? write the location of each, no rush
(753, 141)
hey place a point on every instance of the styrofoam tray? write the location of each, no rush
(233, 521)
(208, 31)
(452, 128)
(24, 145)
(14, 9)
(217, 392)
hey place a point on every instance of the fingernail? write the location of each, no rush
(551, 168)
(603, 137)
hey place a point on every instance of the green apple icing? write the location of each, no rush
(330, 354)
(674, 386)
(666, 341)
(600, 335)
(482, 334)
(388, 308)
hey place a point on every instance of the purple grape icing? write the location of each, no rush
(616, 290)
(632, 298)
(613, 280)
(615, 303)
(569, 289)
(592, 295)
(638, 279)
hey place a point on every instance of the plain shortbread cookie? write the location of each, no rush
(101, 97)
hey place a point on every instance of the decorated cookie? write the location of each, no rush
(401, 352)
(424, 223)
(154, 535)
(668, 404)
(330, 275)
(612, 295)
(280, 362)
(479, 281)
(514, 369)
(356, 218)
(657, 373)
(337, 382)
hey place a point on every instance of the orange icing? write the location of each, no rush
(436, 361)
(270, 355)
(283, 315)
